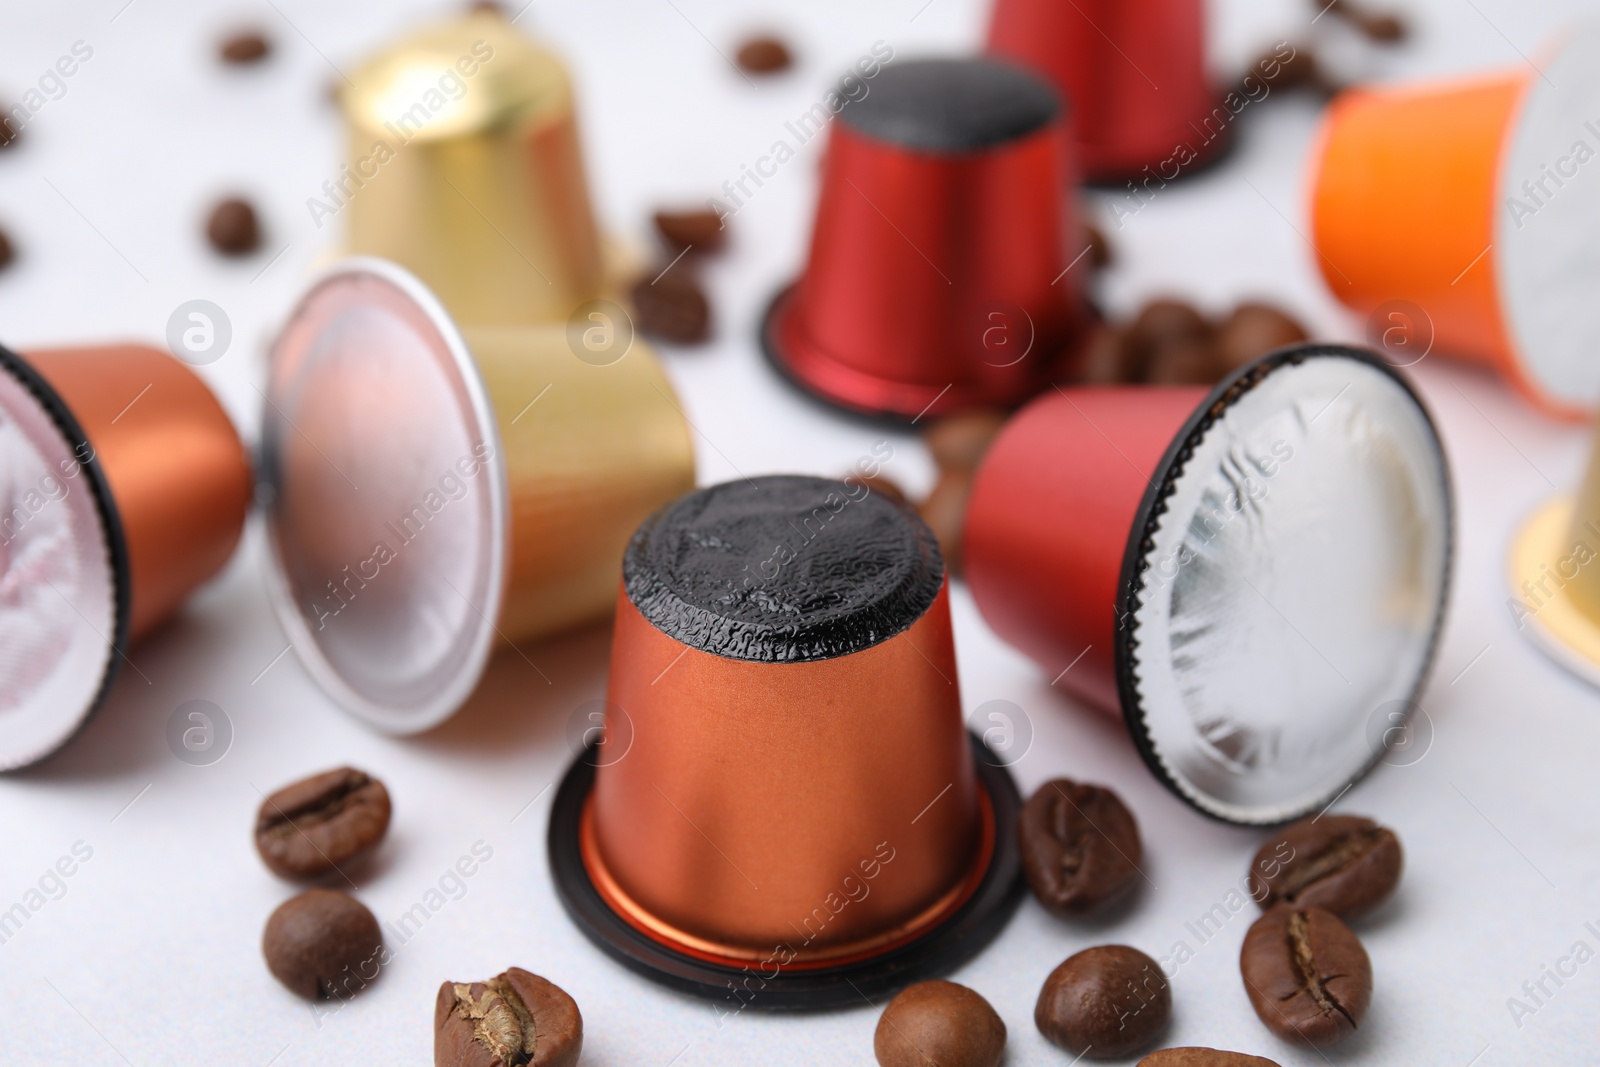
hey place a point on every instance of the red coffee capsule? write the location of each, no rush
(1133, 73)
(785, 809)
(1254, 575)
(938, 276)
(123, 487)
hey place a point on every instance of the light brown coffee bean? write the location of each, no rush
(1104, 1003)
(1080, 847)
(700, 230)
(232, 228)
(1203, 1057)
(515, 1019)
(1345, 864)
(939, 1023)
(249, 47)
(320, 823)
(1253, 330)
(323, 943)
(1307, 975)
(764, 55)
(945, 512)
(958, 442)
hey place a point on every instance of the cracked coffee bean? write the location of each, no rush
(764, 55)
(1341, 863)
(315, 825)
(1104, 1003)
(232, 228)
(939, 1023)
(515, 1019)
(323, 943)
(700, 230)
(1306, 974)
(1203, 1057)
(672, 308)
(1080, 846)
(246, 48)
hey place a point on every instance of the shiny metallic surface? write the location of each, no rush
(465, 168)
(1292, 585)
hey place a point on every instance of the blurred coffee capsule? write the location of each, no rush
(1133, 73)
(123, 487)
(1555, 576)
(938, 277)
(432, 491)
(784, 809)
(1491, 265)
(1248, 572)
(465, 168)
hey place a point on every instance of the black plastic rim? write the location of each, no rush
(111, 523)
(1130, 582)
(936, 952)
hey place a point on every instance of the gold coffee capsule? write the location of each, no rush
(464, 168)
(1555, 576)
(432, 491)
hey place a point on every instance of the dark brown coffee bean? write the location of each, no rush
(1102, 357)
(7, 251)
(1104, 1003)
(1100, 254)
(323, 943)
(317, 824)
(764, 55)
(939, 1023)
(945, 512)
(1341, 863)
(877, 483)
(515, 1019)
(701, 230)
(1254, 330)
(1203, 1057)
(1300, 70)
(1306, 974)
(232, 228)
(672, 308)
(1080, 846)
(10, 133)
(1183, 361)
(1158, 324)
(958, 442)
(246, 48)
(1385, 28)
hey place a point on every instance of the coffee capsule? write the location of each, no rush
(123, 487)
(1133, 73)
(1456, 216)
(1555, 577)
(939, 275)
(464, 167)
(433, 491)
(784, 809)
(1253, 575)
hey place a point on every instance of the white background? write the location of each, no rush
(152, 955)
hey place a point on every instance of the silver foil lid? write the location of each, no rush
(1287, 577)
(59, 587)
(386, 497)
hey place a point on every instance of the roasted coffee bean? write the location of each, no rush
(671, 307)
(939, 1023)
(1104, 1003)
(1254, 330)
(701, 230)
(1158, 324)
(7, 252)
(323, 943)
(958, 442)
(1340, 863)
(1080, 846)
(1306, 974)
(515, 1019)
(315, 825)
(1183, 361)
(1100, 254)
(1300, 71)
(945, 512)
(246, 48)
(764, 55)
(232, 228)
(1102, 357)
(877, 483)
(1203, 1057)
(10, 134)
(1382, 27)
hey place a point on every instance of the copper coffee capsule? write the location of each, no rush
(1253, 575)
(434, 491)
(785, 809)
(465, 168)
(123, 487)
(938, 278)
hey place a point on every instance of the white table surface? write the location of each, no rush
(151, 956)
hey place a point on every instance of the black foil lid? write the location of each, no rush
(783, 569)
(952, 105)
